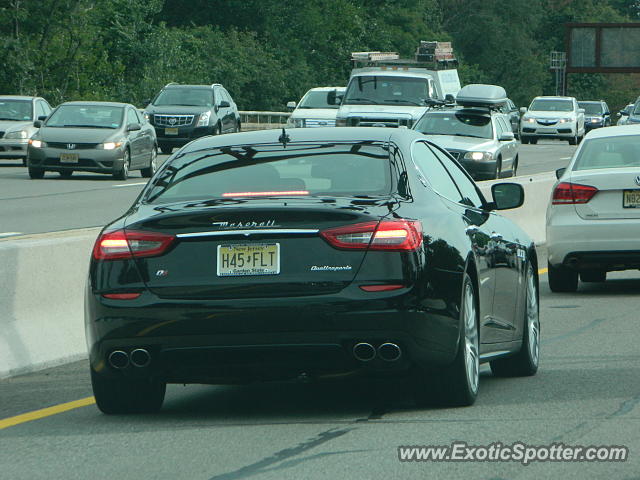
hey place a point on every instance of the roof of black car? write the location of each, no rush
(96, 104)
(177, 85)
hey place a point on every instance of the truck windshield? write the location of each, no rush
(386, 90)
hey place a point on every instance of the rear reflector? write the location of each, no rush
(572, 193)
(380, 288)
(129, 243)
(121, 296)
(389, 235)
(265, 194)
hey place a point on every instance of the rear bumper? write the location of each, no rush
(591, 244)
(241, 340)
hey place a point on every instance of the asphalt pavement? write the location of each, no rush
(93, 200)
(587, 392)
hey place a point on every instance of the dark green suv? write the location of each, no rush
(181, 113)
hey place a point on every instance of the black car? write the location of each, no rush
(267, 255)
(596, 114)
(181, 113)
(510, 109)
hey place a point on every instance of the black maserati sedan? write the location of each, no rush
(269, 255)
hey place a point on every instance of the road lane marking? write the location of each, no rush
(45, 412)
(9, 234)
(565, 158)
(129, 184)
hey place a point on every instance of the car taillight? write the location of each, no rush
(571, 193)
(390, 235)
(130, 243)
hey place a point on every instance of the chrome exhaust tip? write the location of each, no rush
(118, 359)
(389, 352)
(364, 352)
(140, 358)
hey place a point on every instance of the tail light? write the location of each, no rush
(389, 235)
(128, 244)
(572, 193)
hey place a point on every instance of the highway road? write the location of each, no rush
(587, 392)
(91, 200)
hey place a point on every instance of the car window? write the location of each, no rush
(132, 116)
(434, 172)
(506, 125)
(499, 126)
(459, 123)
(467, 187)
(40, 109)
(609, 152)
(226, 96)
(551, 105)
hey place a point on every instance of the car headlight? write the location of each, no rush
(595, 120)
(203, 120)
(565, 120)
(529, 120)
(341, 122)
(146, 116)
(478, 156)
(17, 134)
(109, 145)
(37, 143)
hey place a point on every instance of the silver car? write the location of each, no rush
(593, 219)
(17, 114)
(480, 139)
(102, 137)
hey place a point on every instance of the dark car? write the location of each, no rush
(509, 108)
(596, 114)
(181, 113)
(101, 137)
(267, 255)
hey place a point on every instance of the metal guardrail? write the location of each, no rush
(255, 120)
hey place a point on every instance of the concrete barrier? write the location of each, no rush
(531, 216)
(42, 282)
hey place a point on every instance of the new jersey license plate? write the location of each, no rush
(69, 158)
(171, 131)
(248, 259)
(631, 199)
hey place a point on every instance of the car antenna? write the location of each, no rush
(284, 138)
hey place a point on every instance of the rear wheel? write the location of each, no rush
(123, 173)
(594, 276)
(497, 174)
(36, 173)
(66, 173)
(457, 384)
(562, 279)
(574, 140)
(524, 140)
(153, 164)
(533, 141)
(120, 395)
(525, 362)
(514, 168)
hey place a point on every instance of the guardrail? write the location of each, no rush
(256, 120)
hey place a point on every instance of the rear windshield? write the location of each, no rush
(551, 105)
(86, 116)
(611, 152)
(350, 169)
(456, 123)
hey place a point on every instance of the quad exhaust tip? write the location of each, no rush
(118, 359)
(389, 352)
(140, 358)
(364, 352)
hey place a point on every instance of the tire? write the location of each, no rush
(525, 362)
(36, 173)
(457, 384)
(238, 127)
(217, 130)
(562, 280)
(593, 276)
(524, 140)
(166, 149)
(153, 164)
(66, 173)
(121, 395)
(580, 139)
(498, 171)
(24, 161)
(514, 168)
(123, 173)
(574, 140)
(533, 141)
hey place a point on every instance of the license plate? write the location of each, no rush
(69, 158)
(250, 259)
(631, 199)
(170, 131)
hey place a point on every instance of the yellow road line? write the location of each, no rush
(45, 412)
(543, 271)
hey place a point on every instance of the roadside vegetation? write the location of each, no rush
(267, 52)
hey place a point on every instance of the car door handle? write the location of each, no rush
(471, 230)
(495, 236)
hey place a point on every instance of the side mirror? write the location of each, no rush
(507, 137)
(560, 172)
(449, 98)
(623, 114)
(37, 123)
(43, 117)
(146, 101)
(291, 105)
(523, 110)
(507, 195)
(224, 104)
(333, 98)
(132, 127)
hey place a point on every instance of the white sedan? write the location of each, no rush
(593, 219)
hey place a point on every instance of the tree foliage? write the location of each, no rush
(267, 52)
